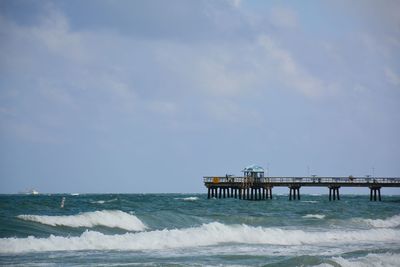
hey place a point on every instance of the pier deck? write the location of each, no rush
(261, 188)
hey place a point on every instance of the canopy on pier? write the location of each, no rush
(253, 168)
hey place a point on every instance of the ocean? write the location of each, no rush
(191, 230)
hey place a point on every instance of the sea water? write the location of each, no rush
(191, 230)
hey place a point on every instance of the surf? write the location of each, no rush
(106, 218)
(210, 234)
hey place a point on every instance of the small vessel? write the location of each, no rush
(32, 192)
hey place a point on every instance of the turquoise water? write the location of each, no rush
(191, 230)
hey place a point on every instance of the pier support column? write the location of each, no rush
(252, 193)
(294, 191)
(270, 193)
(232, 189)
(227, 192)
(263, 192)
(208, 193)
(220, 192)
(224, 191)
(334, 190)
(248, 193)
(375, 193)
(236, 192)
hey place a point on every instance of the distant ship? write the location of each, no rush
(29, 192)
(32, 192)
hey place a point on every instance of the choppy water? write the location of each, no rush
(190, 230)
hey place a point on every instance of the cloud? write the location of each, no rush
(283, 17)
(289, 71)
(232, 112)
(163, 107)
(392, 77)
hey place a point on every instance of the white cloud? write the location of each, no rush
(283, 17)
(392, 77)
(235, 3)
(232, 112)
(219, 78)
(289, 71)
(163, 107)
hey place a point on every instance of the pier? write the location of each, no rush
(253, 185)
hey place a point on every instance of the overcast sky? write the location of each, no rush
(149, 96)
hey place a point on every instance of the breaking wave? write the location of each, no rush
(384, 260)
(188, 198)
(205, 235)
(314, 216)
(107, 218)
(387, 223)
(104, 201)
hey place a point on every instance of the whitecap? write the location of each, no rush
(386, 223)
(188, 198)
(314, 216)
(104, 201)
(205, 235)
(107, 218)
(384, 260)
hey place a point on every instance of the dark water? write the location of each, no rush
(182, 230)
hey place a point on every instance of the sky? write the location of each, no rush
(150, 96)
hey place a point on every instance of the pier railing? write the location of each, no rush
(304, 180)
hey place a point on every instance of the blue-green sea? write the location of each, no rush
(191, 230)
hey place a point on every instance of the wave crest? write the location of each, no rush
(314, 216)
(107, 218)
(188, 198)
(206, 235)
(386, 223)
(386, 259)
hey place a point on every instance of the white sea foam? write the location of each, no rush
(206, 235)
(314, 216)
(108, 218)
(387, 223)
(371, 260)
(188, 198)
(309, 201)
(104, 201)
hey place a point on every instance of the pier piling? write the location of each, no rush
(374, 193)
(294, 191)
(334, 192)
